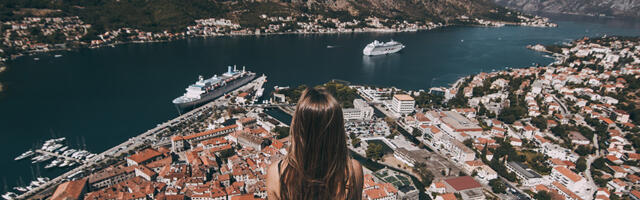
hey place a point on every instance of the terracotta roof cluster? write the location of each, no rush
(133, 188)
(375, 190)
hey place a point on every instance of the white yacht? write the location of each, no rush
(24, 155)
(382, 48)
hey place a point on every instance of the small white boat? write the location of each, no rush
(57, 56)
(65, 163)
(37, 159)
(36, 58)
(35, 183)
(21, 189)
(43, 179)
(54, 163)
(43, 158)
(62, 149)
(69, 152)
(9, 195)
(25, 155)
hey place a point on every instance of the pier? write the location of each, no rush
(57, 155)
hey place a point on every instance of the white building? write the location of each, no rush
(402, 104)
(556, 151)
(571, 180)
(527, 176)
(360, 111)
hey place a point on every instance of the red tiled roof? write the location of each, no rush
(144, 155)
(375, 193)
(448, 196)
(635, 193)
(69, 190)
(568, 173)
(463, 183)
(188, 137)
(565, 190)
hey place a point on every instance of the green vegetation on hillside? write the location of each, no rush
(343, 93)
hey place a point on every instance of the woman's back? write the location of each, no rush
(318, 165)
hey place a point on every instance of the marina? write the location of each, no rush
(55, 154)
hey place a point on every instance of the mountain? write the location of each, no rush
(622, 8)
(436, 10)
(159, 15)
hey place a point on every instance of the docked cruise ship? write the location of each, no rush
(382, 48)
(205, 90)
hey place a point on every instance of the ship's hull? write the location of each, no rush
(205, 98)
(382, 50)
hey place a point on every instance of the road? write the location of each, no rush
(590, 160)
(562, 106)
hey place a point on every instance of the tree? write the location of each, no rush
(583, 150)
(581, 164)
(497, 186)
(374, 151)
(539, 122)
(416, 132)
(468, 142)
(542, 195)
(599, 163)
(425, 174)
(281, 131)
(355, 142)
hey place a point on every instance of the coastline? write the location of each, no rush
(183, 36)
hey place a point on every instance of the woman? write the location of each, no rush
(318, 165)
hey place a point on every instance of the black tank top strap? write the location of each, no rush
(279, 164)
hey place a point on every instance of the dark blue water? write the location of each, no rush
(101, 97)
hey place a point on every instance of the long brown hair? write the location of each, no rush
(317, 166)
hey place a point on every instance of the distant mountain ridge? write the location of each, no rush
(158, 15)
(620, 8)
(437, 10)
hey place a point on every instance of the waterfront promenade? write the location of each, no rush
(129, 145)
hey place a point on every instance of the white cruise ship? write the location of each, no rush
(382, 48)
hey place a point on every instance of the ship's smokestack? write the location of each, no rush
(229, 70)
(234, 68)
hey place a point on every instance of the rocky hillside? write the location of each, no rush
(623, 8)
(158, 15)
(436, 10)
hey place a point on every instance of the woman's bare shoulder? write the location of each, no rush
(357, 168)
(273, 180)
(273, 175)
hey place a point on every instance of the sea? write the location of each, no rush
(98, 98)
